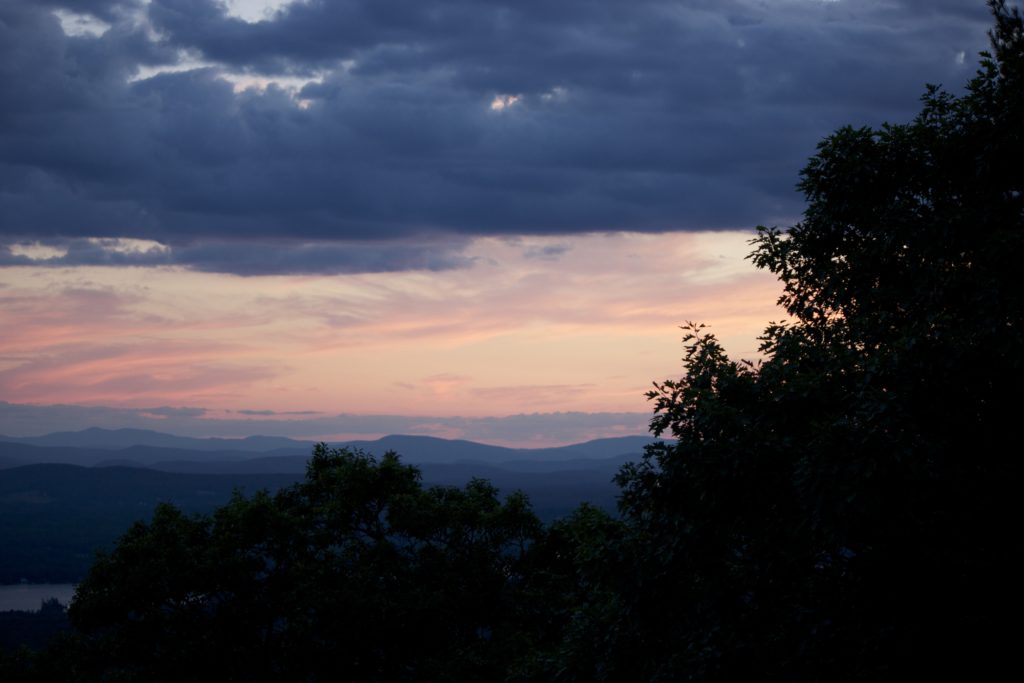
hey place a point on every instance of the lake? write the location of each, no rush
(29, 596)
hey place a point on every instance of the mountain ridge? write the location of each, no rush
(97, 446)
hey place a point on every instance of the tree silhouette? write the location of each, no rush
(842, 510)
(357, 573)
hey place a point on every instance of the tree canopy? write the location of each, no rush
(357, 573)
(842, 509)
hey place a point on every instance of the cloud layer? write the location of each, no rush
(531, 325)
(381, 135)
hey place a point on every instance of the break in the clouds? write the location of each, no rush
(383, 135)
(514, 332)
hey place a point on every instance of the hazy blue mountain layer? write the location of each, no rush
(59, 502)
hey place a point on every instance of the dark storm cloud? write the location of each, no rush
(252, 257)
(437, 118)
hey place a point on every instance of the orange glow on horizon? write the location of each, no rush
(584, 330)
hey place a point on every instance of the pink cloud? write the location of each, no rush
(536, 323)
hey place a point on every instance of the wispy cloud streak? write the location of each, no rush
(584, 329)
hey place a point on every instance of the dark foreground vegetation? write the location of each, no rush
(35, 628)
(53, 516)
(842, 511)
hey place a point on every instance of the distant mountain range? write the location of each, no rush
(96, 437)
(155, 450)
(66, 494)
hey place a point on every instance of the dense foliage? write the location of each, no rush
(357, 572)
(842, 510)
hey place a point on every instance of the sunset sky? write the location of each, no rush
(475, 219)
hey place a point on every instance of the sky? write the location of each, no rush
(477, 219)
